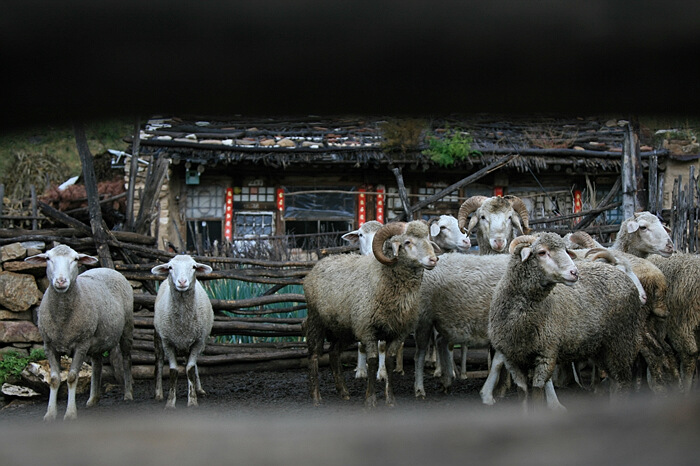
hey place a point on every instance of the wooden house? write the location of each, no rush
(234, 178)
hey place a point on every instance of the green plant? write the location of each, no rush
(12, 364)
(237, 290)
(452, 148)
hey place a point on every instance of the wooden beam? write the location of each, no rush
(133, 171)
(591, 216)
(464, 182)
(98, 232)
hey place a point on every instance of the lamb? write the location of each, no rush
(536, 323)
(498, 220)
(183, 320)
(683, 300)
(83, 316)
(362, 298)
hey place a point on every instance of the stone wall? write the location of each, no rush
(21, 287)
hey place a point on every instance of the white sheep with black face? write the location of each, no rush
(83, 315)
(183, 320)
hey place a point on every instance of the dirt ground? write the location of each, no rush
(267, 418)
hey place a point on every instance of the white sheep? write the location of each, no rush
(83, 316)
(497, 221)
(536, 322)
(354, 297)
(445, 232)
(183, 320)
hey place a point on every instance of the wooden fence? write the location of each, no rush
(684, 213)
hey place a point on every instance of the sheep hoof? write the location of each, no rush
(360, 373)
(463, 376)
(201, 392)
(50, 417)
(400, 371)
(487, 400)
(70, 416)
(371, 402)
(128, 397)
(420, 393)
(92, 402)
(169, 406)
(381, 375)
(192, 403)
(159, 397)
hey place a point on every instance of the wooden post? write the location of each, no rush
(402, 194)
(630, 168)
(133, 170)
(35, 223)
(98, 232)
(2, 203)
(653, 184)
(691, 209)
(154, 180)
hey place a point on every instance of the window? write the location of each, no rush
(253, 223)
(204, 213)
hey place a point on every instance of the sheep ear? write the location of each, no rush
(525, 253)
(351, 236)
(632, 227)
(395, 246)
(87, 260)
(203, 268)
(434, 229)
(39, 259)
(161, 269)
(572, 255)
(472, 223)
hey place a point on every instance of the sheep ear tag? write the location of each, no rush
(525, 253)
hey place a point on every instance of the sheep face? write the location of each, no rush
(364, 236)
(181, 270)
(497, 222)
(648, 234)
(62, 266)
(445, 232)
(548, 251)
(408, 242)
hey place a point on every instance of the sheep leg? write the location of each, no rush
(315, 346)
(494, 375)
(381, 373)
(423, 335)
(447, 363)
(551, 396)
(125, 344)
(54, 383)
(544, 368)
(372, 367)
(200, 390)
(72, 382)
(520, 380)
(192, 376)
(463, 362)
(361, 369)
(158, 349)
(399, 360)
(172, 363)
(337, 369)
(393, 348)
(95, 381)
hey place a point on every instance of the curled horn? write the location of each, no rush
(583, 239)
(601, 253)
(525, 239)
(467, 207)
(520, 207)
(386, 232)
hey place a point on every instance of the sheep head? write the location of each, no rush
(549, 254)
(498, 219)
(644, 234)
(446, 233)
(413, 238)
(181, 270)
(364, 236)
(604, 255)
(62, 265)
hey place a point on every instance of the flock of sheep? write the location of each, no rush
(544, 303)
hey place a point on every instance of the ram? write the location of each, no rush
(354, 297)
(497, 221)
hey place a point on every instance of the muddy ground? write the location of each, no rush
(267, 418)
